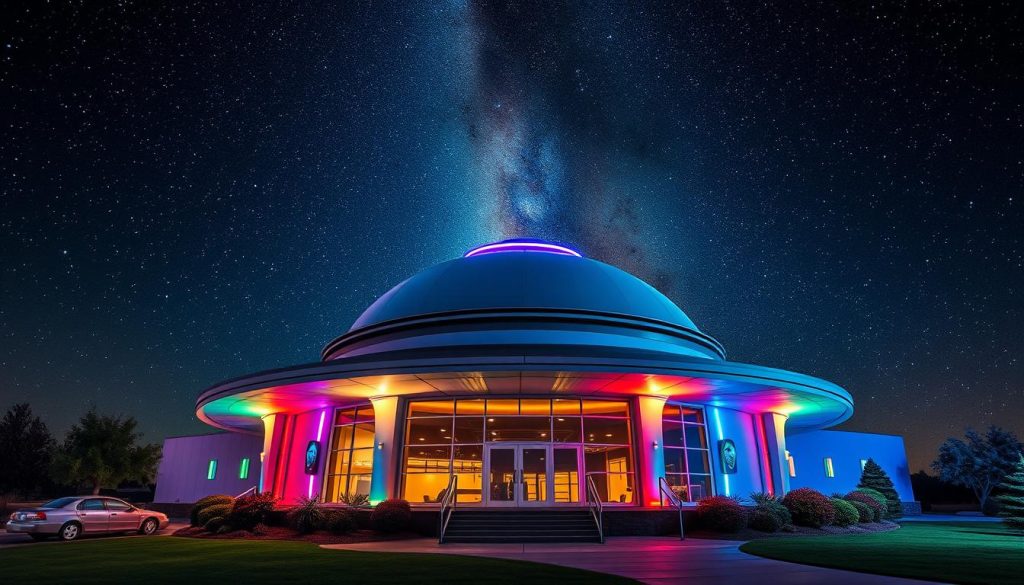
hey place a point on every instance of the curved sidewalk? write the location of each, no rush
(657, 560)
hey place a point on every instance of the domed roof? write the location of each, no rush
(523, 274)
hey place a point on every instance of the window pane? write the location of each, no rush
(474, 406)
(672, 433)
(700, 487)
(606, 430)
(468, 458)
(364, 437)
(428, 431)
(362, 461)
(565, 406)
(693, 415)
(342, 438)
(519, 428)
(620, 488)
(364, 413)
(425, 487)
(345, 416)
(502, 407)
(675, 460)
(469, 429)
(338, 462)
(535, 407)
(605, 408)
(678, 483)
(566, 429)
(671, 412)
(427, 459)
(697, 461)
(695, 437)
(607, 459)
(116, 506)
(431, 408)
(359, 484)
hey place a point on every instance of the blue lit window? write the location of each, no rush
(211, 469)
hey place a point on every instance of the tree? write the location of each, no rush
(101, 451)
(980, 462)
(1011, 500)
(26, 448)
(874, 477)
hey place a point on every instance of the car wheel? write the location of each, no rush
(70, 531)
(149, 526)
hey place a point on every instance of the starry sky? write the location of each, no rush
(191, 191)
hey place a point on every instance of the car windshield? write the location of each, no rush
(58, 503)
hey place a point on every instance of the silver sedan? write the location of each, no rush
(70, 518)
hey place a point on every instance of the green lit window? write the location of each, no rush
(829, 472)
(211, 469)
(243, 469)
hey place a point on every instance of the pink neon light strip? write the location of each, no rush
(522, 247)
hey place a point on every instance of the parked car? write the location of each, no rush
(70, 518)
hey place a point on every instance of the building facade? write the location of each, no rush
(524, 370)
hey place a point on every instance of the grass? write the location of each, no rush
(959, 552)
(185, 561)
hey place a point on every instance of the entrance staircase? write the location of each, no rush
(546, 525)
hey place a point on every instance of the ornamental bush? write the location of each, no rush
(308, 516)
(214, 511)
(877, 509)
(762, 519)
(846, 514)
(213, 525)
(863, 510)
(772, 504)
(874, 477)
(249, 511)
(205, 503)
(809, 507)
(392, 515)
(721, 514)
(340, 521)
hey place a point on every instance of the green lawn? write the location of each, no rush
(959, 552)
(185, 561)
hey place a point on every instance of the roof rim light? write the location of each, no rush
(522, 246)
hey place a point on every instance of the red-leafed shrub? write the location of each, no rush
(391, 516)
(721, 514)
(878, 509)
(809, 508)
(249, 511)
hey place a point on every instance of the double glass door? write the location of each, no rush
(532, 474)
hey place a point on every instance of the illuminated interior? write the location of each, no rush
(350, 466)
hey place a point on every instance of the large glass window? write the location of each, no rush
(687, 460)
(350, 466)
(448, 436)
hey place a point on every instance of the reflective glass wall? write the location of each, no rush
(687, 460)
(351, 462)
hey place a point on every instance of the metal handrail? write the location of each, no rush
(251, 490)
(448, 503)
(675, 500)
(595, 505)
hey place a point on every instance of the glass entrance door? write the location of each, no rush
(532, 474)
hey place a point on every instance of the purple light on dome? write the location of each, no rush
(522, 246)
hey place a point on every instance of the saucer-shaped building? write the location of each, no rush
(522, 368)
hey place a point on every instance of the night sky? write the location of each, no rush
(191, 191)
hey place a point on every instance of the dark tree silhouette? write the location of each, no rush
(26, 448)
(101, 451)
(980, 462)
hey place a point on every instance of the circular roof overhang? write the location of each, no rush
(240, 403)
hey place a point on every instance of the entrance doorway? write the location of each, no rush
(532, 474)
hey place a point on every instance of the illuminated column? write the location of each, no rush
(273, 440)
(650, 451)
(775, 437)
(387, 452)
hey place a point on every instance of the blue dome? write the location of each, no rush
(523, 279)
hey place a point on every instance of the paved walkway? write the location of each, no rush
(656, 560)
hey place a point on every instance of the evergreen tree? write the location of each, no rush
(1011, 500)
(874, 477)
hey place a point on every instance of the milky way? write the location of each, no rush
(190, 191)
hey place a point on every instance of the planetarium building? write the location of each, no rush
(523, 375)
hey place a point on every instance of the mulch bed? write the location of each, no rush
(281, 533)
(750, 534)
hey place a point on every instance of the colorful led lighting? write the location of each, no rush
(522, 246)
(721, 437)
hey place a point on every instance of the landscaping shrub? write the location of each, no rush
(205, 503)
(874, 477)
(214, 511)
(721, 514)
(761, 518)
(878, 497)
(846, 514)
(863, 510)
(355, 499)
(772, 504)
(307, 517)
(877, 509)
(340, 521)
(809, 508)
(214, 524)
(391, 515)
(1011, 498)
(249, 511)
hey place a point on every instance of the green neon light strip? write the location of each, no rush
(243, 471)
(211, 471)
